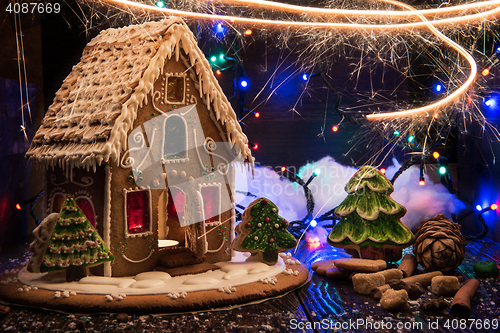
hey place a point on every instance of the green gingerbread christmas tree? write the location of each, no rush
(262, 231)
(74, 242)
(370, 223)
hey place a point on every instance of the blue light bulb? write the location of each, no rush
(305, 77)
(314, 223)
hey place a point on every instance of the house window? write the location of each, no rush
(57, 202)
(138, 213)
(87, 208)
(175, 139)
(175, 89)
(176, 203)
(211, 202)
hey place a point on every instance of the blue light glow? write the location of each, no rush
(411, 138)
(498, 49)
(219, 28)
(490, 102)
(395, 132)
(314, 223)
(317, 172)
(305, 77)
(438, 87)
(160, 4)
(244, 83)
(213, 58)
(479, 208)
(442, 170)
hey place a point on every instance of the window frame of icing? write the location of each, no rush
(53, 196)
(89, 199)
(219, 188)
(176, 75)
(186, 145)
(149, 232)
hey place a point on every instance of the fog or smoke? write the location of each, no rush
(421, 202)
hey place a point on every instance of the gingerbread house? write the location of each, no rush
(142, 135)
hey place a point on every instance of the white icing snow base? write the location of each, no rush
(232, 273)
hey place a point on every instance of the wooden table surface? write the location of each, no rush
(319, 306)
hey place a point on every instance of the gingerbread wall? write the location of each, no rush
(141, 253)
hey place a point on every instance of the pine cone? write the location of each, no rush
(439, 245)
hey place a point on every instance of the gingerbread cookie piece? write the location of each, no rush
(263, 232)
(361, 265)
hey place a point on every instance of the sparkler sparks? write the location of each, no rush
(323, 29)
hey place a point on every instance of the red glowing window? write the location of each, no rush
(176, 203)
(138, 212)
(211, 203)
(87, 209)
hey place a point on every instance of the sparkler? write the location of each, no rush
(409, 12)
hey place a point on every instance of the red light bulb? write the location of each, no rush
(335, 128)
(494, 207)
(383, 171)
(283, 169)
(257, 114)
(421, 183)
(18, 206)
(255, 146)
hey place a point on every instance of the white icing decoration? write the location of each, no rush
(122, 286)
(152, 276)
(106, 236)
(140, 260)
(200, 280)
(107, 281)
(234, 270)
(138, 138)
(145, 284)
(86, 180)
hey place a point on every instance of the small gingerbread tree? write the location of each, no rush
(370, 223)
(262, 231)
(74, 243)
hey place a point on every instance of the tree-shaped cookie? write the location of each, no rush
(74, 241)
(370, 219)
(262, 231)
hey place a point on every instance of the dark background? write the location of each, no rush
(53, 43)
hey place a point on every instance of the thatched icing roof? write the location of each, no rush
(97, 104)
